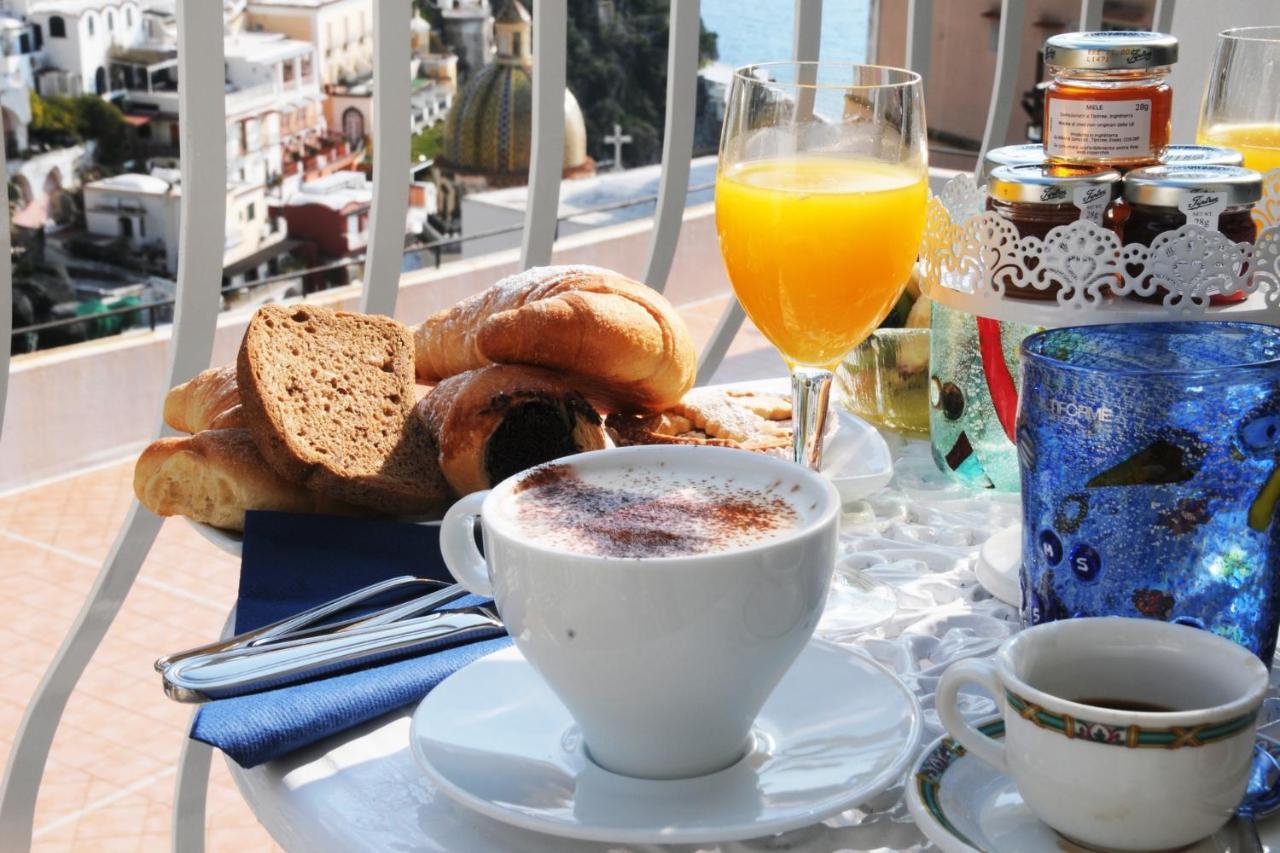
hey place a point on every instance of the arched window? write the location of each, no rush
(57, 27)
(88, 22)
(100, 81)
(128, 16)
(353, 126)
(111, 21)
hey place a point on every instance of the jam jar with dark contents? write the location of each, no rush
(1108, 101)
(1178, 155)
(1034, 199)
(1219, 198)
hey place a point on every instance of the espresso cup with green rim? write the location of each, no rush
(1124, 734)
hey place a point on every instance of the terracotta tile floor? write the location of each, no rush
(109, 782)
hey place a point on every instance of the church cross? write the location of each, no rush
(617, 139)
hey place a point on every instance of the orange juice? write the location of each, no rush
(818, 248)
(1259, 143)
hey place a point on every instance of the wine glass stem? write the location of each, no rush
(810, 389)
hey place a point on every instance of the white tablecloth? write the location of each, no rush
(921, 535)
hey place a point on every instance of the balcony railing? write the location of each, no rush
(436, 248)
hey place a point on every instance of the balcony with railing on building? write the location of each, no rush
(315, 155)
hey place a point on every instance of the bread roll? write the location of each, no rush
(496, 421)
(209, 400)
(215, 477)
(622, 342)
(329, 397)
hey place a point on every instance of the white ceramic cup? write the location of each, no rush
(1118, 779)
(663, 662)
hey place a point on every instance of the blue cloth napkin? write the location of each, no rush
(292, 562)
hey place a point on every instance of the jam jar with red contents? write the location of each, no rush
(1219, 198)
(1108, 101)
(1034, 199)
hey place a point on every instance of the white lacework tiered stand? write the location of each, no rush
(971, 254)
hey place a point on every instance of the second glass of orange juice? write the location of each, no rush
(1241, 107)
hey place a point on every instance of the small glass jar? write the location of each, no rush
(1037, 198)
(1030, 154)
(1177, 155)
(1219, 198)
(1108, 101)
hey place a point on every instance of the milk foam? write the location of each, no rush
(654, 512)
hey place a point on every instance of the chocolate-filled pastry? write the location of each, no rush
(497, 421)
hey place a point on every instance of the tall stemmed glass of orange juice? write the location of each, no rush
(1241, 107)
(820, 207)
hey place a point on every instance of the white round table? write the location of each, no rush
(362, 791)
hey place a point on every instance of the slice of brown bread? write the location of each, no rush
(328, 396)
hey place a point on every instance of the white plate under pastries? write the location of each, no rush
(855, 458)
(964, 805)
(838, 730)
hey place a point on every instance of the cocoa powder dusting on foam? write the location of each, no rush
(649, 517)
(543, 475)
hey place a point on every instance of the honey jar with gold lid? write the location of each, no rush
(1108, 101)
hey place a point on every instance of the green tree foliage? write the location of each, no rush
(427, 142)
(79, 119)
(618, 71)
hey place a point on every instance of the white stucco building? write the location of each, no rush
(341, 31)
(17, 77)
(143, 209)
(66, 47)
(274, 105)
(76, 38)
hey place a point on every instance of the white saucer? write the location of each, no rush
(838, 730)
(963, 805)
(999, 561)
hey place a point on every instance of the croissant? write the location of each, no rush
(215, 476)
(621, 343)
(209, 400)
(496, 421)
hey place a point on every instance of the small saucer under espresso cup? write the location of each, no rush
(963, 805)
(1120, 734)
(838, 730)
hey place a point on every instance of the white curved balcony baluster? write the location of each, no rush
(203, 211)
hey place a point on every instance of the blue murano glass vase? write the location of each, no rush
(1150, 464)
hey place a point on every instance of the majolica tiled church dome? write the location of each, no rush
(487, 132)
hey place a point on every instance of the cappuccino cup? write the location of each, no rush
(661, 591)
(1123, 734)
